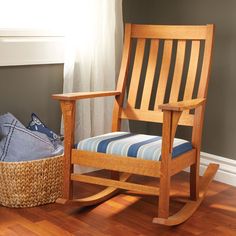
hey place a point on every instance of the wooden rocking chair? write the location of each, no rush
(175, 41)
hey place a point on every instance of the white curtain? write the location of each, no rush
(93, 52)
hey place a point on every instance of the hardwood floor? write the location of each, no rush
(126, 214)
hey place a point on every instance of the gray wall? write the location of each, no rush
(220, 130)
(27, 89)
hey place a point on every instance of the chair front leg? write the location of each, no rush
(68, 111)
(164, 196)
(163, 207)
(170, 123)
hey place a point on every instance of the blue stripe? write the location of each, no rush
(182, 148)
(102, 146)
(133, 149)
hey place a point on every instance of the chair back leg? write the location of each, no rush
(194, 179)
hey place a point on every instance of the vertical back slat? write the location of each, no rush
(192, 70)
(178, 71)
(204, 79)
(164, 73)
(147, 90)
(137, 67)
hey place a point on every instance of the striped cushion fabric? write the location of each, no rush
(141, 146)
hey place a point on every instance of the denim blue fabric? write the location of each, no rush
(20, 144)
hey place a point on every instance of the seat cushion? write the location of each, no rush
(141, 146)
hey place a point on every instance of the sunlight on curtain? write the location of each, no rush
(94, 36)
(28, 14)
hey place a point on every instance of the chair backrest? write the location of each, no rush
(169, 59)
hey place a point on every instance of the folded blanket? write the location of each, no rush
(21, 144)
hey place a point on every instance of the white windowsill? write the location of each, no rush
(30, 47)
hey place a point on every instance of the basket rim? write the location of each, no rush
(32, 161)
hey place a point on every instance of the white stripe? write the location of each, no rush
(144, 148)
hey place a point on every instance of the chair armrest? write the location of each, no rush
(183, 105)
(84, 95)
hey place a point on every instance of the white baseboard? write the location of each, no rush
(227, 170)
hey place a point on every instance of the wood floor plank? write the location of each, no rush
(127, 214)
(52, 228)
(8, 232)
(22, 230)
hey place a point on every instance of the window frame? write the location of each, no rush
(31, 47)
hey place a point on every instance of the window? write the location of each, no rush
(31, 32)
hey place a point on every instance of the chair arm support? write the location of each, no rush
(170, 123)
(84, 95)
(183, 105)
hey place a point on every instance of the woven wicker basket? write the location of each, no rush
(31, 183)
